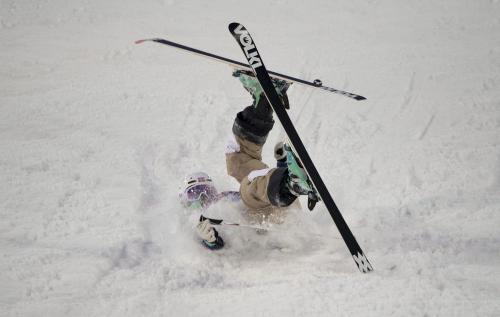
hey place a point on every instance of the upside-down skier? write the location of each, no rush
(266, 192)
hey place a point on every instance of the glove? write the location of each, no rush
(280, 154)
(209, 236)
(279, 151)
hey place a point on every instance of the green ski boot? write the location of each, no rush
(298, 182)
(252, 85)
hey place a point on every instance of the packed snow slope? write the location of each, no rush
(96, 135)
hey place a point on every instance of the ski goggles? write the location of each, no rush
(201, 193)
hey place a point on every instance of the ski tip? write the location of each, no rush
(234, 25)
(146, 40)
(360, 98)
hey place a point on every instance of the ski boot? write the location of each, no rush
(297, 182)
(252, 85)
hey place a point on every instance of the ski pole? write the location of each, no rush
(221, 222)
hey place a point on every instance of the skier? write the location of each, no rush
(265, 191)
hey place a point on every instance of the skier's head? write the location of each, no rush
(199, 191)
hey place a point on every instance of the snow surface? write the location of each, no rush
(96, 134)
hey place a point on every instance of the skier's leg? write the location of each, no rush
(262, 188)
(243, 156)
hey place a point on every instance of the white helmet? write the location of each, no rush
(199, 190)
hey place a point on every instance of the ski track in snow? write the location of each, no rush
(96, 134)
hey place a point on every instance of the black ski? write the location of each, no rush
(238, 65)
(242, 36)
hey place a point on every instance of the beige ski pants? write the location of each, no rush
(244, 163)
